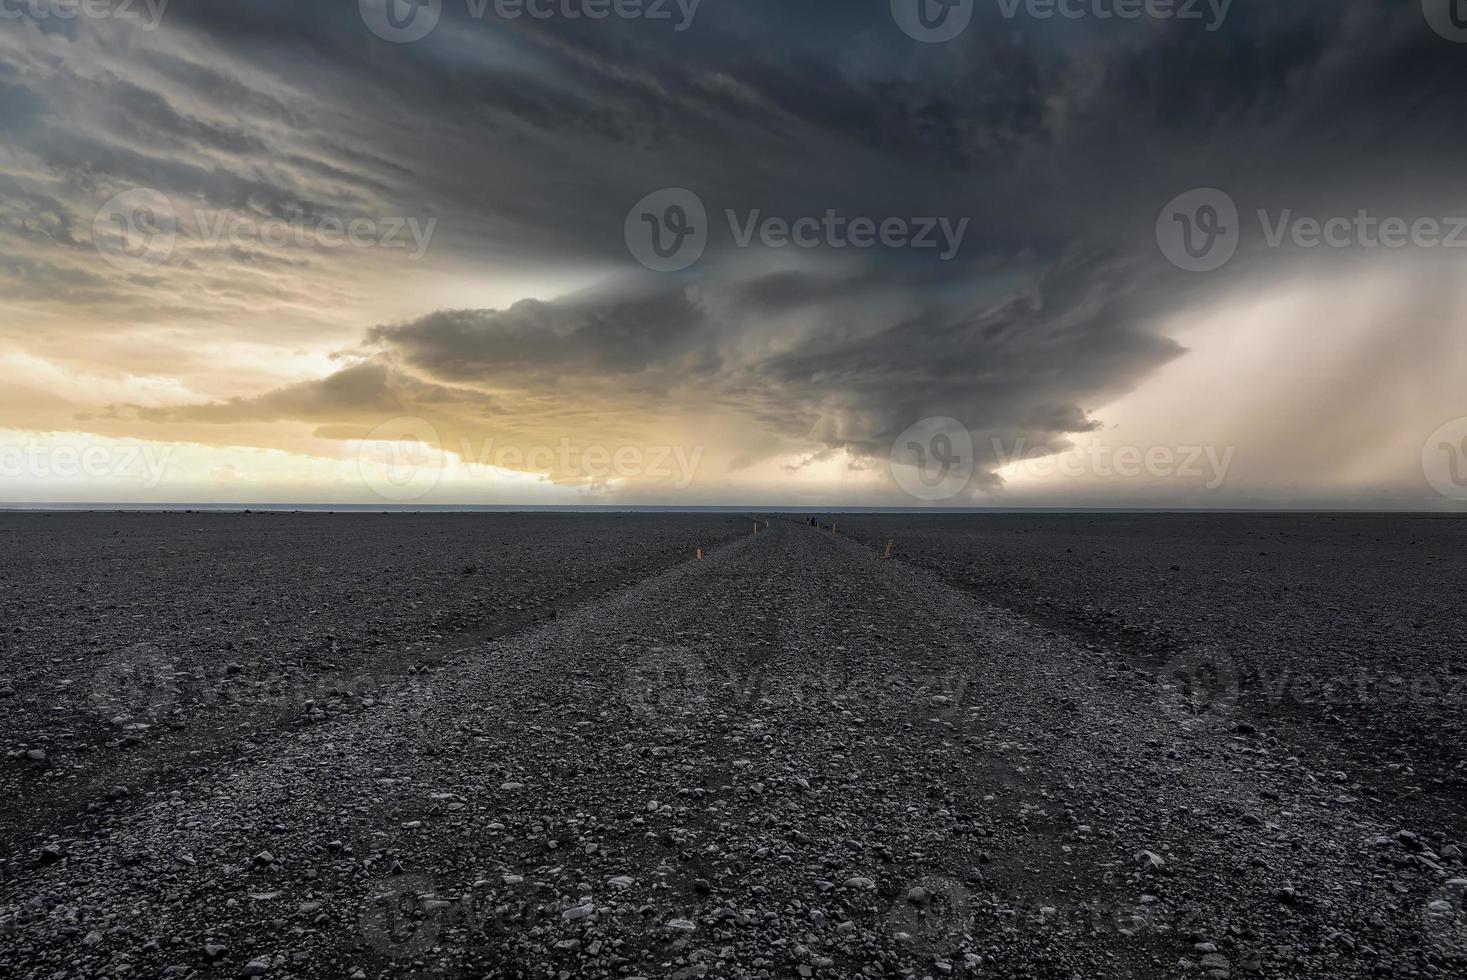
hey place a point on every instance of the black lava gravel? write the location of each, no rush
(790, 758)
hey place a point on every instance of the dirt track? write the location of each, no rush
(790, 758)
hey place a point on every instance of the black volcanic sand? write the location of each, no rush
(133, 644)
(789, 759)
(1344, 633)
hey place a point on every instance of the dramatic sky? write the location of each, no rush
(402, 252)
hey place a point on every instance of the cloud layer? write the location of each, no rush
(271, 127)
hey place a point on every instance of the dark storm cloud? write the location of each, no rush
(552, 129)
(541, 134)
(601, 337)
(1059, 142)
(854, 359)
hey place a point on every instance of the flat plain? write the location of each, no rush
(353, 745)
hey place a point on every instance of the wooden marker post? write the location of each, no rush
(889, 545)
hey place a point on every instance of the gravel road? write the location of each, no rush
(1342, 634)
(137, 646)
(788, 759)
